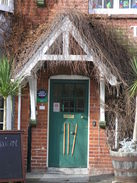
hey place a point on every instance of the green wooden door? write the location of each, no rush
(68, 123)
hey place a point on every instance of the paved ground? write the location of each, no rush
(71, 179)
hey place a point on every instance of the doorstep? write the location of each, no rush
(48, 177)
(39, 177)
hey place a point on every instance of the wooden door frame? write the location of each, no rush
(68, 77)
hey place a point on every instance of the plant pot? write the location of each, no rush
(125, 166)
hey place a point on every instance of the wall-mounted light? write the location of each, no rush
(94, 123)
(41, 3)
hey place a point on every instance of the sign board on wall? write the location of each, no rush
(42, 96)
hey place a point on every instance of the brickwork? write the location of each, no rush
(30, 10)
(39, 134)
(99, 158)
(25, 113)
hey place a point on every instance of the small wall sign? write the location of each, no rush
(41, 107)
(56, 107)
(42, 96)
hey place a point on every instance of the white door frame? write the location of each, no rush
(69, 77)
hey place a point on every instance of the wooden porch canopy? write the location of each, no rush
(65, 28)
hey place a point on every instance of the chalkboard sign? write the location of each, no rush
(11, 156)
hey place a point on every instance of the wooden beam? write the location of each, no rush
(102, 98)
(9, 112)
(66, 58)
(66, 43)
(19, 109)
(32, 87)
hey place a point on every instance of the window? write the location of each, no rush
(113, 6)
(102, 4)
(4, 2)
(7, 5)
(1, 112)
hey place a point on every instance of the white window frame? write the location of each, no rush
(114, 10)
(8, 7)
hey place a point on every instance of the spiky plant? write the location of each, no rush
(133, 92)
(8, 86)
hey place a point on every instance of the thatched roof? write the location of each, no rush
(107, 44)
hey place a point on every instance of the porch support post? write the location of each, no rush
(116, 132)
(65, 43)
(9, 112)
(33, 91)
(19, 109)
(102, 99)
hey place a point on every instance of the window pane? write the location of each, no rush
(4, 2)
(1, 115)
(80, 105)
(68, 105)
(1, 126)
(1, 102)
(96, 3)
(80, 90)
(57, 92)
(108, 4)
(124, 3)
(134, 3)
(68, 90)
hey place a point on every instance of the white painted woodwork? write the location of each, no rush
(65, 28)
(102, 99)
(116, 132)
(32, 88)
(7, 5)
(19, 109)
(66, 58)
(9, 113)
(135, 125)
(134, 30)
(66, 44)
(70, 77)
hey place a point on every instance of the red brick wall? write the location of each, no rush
(25, 113)
(39, 134)
(99, 159)
(37, 15)
(30, 10)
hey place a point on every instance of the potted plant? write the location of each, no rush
(125, 160)
(8, 86)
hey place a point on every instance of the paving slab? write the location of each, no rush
(52, 178)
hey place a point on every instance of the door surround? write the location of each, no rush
(69, 77)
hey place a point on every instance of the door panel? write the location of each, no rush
(68, 125)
